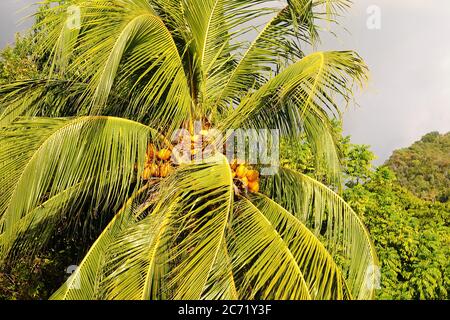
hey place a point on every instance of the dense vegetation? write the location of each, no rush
(20, 60)
(411, 235)
(16, 62)
(424, 167)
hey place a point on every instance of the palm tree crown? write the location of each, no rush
(95, 136)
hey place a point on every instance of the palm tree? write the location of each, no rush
(94, 135)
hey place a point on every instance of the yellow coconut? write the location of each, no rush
(154, 169)
(253, 186)
(241, 171)
(151, 151)
(147, 173)
(164, 154)
(252, 175)
(165, 170)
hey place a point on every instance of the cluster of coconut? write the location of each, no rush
(157, 163)
(245, 177)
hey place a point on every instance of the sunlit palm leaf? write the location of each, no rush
(270, 271)
(299, 100)
(39, 97)
(84, 283)
(293, 24)
(329, 217)
(323, 276)
(194, 204)
(43, 158)
(117, 39)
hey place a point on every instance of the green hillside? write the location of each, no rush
(424, 167)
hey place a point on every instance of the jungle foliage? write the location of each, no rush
(411, 235)
(424, 167)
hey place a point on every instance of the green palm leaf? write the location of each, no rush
(299, 100)
(333, 220)
(272, 270)
(200, 210)
(322, 275)
(48, 161)
(112, 93)
(84, 283)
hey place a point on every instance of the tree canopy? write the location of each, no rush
(411, 235)
(92, 138)
(424, 167)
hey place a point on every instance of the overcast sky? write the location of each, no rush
(409, 57)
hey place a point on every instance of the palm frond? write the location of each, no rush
(39, 97)
(281, 41)
(221, 284)
(323, 276)
(42, 159)
(268, 267)
(32, 232)
(333, 220)
(123, 44)
(174, 251)
(84, 283)
(301, 99)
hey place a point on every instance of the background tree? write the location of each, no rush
(411, 235)
(20, 61)
(355, 160)
(424, 167)
(16, 62)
